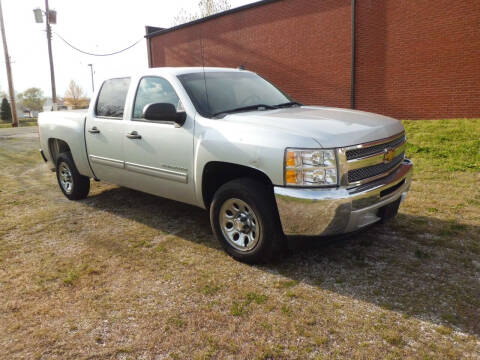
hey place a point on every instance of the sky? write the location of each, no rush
(99, 26)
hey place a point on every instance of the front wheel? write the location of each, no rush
(73, 185)
(244, 219)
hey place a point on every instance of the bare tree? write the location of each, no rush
(205, 8)
(75, 96)
(183, 16)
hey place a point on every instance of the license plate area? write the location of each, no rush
(389, 211)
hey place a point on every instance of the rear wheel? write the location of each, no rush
(73, 185)
(244, 219)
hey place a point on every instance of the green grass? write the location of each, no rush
(123, 274)
(241, 308)
(444, 145)
(210, 289)
(71, 277)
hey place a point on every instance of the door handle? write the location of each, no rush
(134, 135)
(94, 130)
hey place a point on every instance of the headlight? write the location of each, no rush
(306, 167)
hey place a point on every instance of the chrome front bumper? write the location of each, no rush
(332, 211)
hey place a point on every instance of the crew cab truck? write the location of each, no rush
(229, 141)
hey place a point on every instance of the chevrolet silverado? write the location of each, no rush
(229, 141)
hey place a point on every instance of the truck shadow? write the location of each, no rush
(416, 265)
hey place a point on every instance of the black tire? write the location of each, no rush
(270, 243)
(79, 184)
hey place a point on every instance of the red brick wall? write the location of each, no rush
(415, 59)
(418, 59)
(303, 46)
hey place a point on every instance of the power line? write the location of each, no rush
(89, 53)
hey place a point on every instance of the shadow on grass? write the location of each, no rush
(419, 266)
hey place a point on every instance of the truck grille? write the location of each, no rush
(367, 151)
(374, 170)
(370, 161)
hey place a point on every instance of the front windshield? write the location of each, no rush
(229, 90)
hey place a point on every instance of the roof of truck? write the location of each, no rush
(188, 70)
(174, 71)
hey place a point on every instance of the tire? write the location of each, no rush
(73, 185)
(245, 221)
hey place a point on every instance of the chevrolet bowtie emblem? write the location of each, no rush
(388, 155)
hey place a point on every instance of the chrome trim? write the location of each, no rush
(163, 122)
(119, 164)
(338, 210)
(109, 117)
(376, 142)
(157, 172)
(342, 167)
(375, 159)
(372, 178)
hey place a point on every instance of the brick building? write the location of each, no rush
(408, 59)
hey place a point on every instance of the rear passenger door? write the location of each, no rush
(159, 159)
(105, 131)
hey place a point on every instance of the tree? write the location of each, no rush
(6, 110)
(75, 96)
(32, 99)
(205, 8)
(210, 7)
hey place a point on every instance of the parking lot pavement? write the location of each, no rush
(27, 131)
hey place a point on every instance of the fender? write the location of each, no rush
(259, 148)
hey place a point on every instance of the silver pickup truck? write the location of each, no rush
(229, 141)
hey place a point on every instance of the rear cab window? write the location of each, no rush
(111, 98)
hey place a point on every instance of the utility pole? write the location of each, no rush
(49, 40)
(9, 71)
(91, 71)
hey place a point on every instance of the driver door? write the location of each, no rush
(159, 154)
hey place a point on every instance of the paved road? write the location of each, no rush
(27, 131)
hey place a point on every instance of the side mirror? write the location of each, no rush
(164, 112)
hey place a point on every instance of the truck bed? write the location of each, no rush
(69, 127)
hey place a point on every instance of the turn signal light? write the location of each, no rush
(310, 167)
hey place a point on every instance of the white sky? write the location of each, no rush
(99, 26)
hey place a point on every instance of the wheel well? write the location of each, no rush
(217, 173)
(57, 147)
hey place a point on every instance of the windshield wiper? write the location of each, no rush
(288, 104)
(245, 108)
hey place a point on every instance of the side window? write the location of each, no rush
(112, 96)
(154, 90)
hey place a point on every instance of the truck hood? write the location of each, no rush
(330, 127)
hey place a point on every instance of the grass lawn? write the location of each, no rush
(127, 275)
(23, 122)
